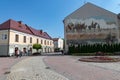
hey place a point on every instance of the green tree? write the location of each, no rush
(57, 49)
(37, 47)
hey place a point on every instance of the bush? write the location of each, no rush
(57, 49)
(90, 49)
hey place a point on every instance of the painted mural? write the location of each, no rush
(90, 29)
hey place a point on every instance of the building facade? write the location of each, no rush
(91, 24)
(15, 34)
(58, 43)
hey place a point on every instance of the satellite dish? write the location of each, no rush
(118, 16)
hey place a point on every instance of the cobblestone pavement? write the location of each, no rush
(33, 68)
(73, 69)
(5, 65)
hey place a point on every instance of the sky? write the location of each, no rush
(48, 15)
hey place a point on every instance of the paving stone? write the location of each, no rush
(73, 69)
(33, 68)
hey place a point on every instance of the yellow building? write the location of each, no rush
(16, 34)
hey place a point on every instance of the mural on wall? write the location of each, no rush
(90, 29)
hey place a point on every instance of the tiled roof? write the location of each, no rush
(18, 26)
(55, 39)
(40, 33)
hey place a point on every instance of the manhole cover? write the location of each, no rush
(7, 72)
(37, 74)
(47, 67)
(23, 79)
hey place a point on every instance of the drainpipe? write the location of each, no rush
(8, 42)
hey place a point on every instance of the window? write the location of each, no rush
(37, 41)
(48, 43)
(24, 39)
(30, 39)
(16, 38)
(45, 42)
(41, 41)
(4, 36)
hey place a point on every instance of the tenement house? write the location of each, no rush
(16, 34)
(58, 44)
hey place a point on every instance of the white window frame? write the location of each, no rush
(4, 36)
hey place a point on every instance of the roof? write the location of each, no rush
(18, 26)
(88, 10)
(55, 39)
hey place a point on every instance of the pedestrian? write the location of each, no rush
(62, 52)
(20, 55)
(24, 52)
(16, 52)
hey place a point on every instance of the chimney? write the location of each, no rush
(20, 22)
(41, 31)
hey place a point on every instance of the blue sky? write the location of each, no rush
(48, 15)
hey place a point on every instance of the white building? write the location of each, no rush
(58, 43)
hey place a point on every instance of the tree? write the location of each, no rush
(37, 47)
(57, 49)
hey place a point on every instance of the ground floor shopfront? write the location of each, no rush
(9, 50)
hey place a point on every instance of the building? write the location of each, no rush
(58, 43)
(91, 24)
(15, 34)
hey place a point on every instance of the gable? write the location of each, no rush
(5, 25)
(90, 10)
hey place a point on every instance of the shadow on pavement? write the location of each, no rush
(52, 54)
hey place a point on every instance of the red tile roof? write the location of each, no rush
(18, 26)
(55, 39)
